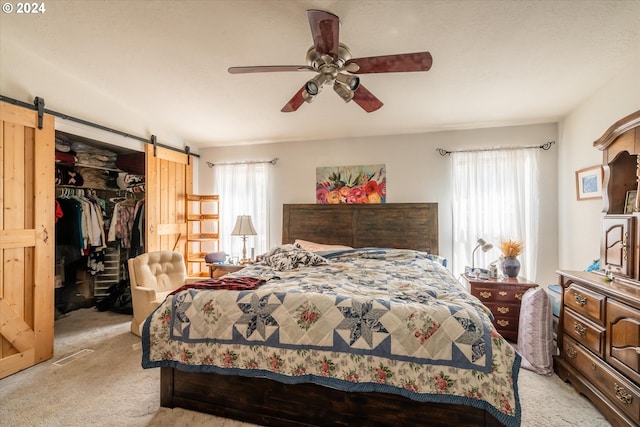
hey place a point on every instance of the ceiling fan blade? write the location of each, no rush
(269, 69)
(419, 61)
(295, 102)
(366, 99)
(325, 29)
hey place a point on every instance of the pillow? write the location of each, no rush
(437, 258)
(288, 257)
(535, 332)
(315, 247)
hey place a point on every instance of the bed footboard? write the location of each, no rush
(266, 402)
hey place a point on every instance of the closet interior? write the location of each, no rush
(100, 194)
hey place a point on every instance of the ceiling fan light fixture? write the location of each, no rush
(345, 93)
(307, 97)
(314, 85)
(352, 82)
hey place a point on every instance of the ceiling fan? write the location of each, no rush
(332, 62)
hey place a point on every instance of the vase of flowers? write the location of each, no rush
(511, 264)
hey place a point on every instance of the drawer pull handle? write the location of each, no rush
(519, 296)
(503, 310)
(502, 293)
(580, 330)
(503, 323)
(622, 394)
(571, 353)
(485, 294)
(580, 300)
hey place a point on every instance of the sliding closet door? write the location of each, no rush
(26, 238)
(169, 178)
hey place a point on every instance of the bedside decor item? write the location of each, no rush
(511, 264)
(351, 184)
(244, 228)
(589, 183)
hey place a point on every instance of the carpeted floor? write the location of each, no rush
(107, 386)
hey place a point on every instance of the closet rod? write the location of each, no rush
(37, 101)
(547, 145)
(249, 162)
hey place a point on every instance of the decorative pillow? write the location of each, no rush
(288, 257)
(535, 332)
(316, 247)
(437, 258)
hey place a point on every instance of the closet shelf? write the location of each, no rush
(83, 165)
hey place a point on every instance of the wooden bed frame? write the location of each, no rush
(267, 402)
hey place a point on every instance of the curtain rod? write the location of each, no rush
(248, 162)
(38, 105)
(546, 146)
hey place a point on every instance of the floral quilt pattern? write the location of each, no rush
(368, 319)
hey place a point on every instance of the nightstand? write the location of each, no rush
(503, 298)
(219, 270)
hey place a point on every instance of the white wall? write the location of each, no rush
(415, 173)
(580, 222)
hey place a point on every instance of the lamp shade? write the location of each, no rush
(244, 226)
(484, 245)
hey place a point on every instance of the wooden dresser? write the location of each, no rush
(599, 342)
(503, 298)
(599, 325)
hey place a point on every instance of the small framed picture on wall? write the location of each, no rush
(589, 183)
(630, 202)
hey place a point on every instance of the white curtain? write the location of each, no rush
(243, 190)
(495, 197)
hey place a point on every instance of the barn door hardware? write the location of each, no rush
(39, 103)
(154, 141)
(187, 150)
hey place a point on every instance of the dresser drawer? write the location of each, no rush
(622, 392)
(623, 339)
(585, 302)
(585, 332)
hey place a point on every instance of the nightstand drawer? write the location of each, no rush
(503, 309)
(495, 293)
(585, 332)
(585, 302)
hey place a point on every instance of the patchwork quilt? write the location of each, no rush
(384, 320)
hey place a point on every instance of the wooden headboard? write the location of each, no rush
(384, 225)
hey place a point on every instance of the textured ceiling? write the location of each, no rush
(165, 62)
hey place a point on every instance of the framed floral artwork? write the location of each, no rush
(589, 183)
(351, 184)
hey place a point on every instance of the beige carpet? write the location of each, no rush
(107, 387)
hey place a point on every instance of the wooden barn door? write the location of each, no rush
(26, 238)
(169, 178)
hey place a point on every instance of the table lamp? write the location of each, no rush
(244, 228)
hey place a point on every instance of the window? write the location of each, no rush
(243, 190)
(495, 197)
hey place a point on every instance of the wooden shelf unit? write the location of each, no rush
(203, 231)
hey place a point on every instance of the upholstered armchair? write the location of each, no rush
(153, 276)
